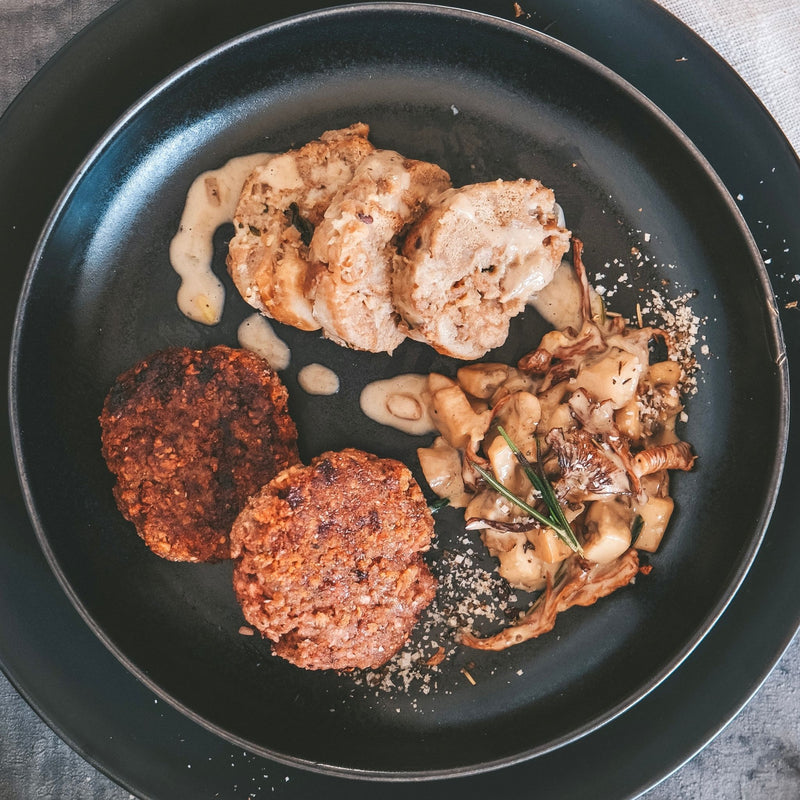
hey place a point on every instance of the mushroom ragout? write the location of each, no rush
(562, 462)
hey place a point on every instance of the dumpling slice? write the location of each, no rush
(356, 244)
(471, 262)
(281, 203)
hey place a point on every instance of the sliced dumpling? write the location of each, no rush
(281, 203)
(356, 244)
(471, 262)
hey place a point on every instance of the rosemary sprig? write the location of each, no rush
(511, 497)
(563, 532)
(438, 505)
(558, 520)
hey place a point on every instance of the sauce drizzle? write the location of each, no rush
(210, 202)
(256, 334)
(318, 379)
(401, 402)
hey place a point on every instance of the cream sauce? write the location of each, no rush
(256, 334)
(560, 301)
(318, 379)
(526, 265)
(401, 402)
(210, 202)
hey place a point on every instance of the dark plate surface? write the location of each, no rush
(621, 721)
(491, 100)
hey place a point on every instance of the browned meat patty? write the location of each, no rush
(190, 435)
(328, 562)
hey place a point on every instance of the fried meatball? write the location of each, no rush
(472, 261)
(190, 435)
(280, 204)
(328, 560)
(354, 247)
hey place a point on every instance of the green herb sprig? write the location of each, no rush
(438, 505)
(555, 518)
(545, 488)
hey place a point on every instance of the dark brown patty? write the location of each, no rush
(328, 562)
(190, 435)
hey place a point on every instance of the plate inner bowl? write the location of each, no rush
(484, 99)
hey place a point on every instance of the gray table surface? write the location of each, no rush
(758, 754)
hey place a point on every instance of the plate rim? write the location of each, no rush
(317, 18)
(726, 193)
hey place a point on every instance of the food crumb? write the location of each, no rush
(520, 12)
(468, 676)
(468, 592)
(677, 317)
(244, 630)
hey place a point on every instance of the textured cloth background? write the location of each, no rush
(760, 39)
(758, 755)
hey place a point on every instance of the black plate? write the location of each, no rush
(485, 99)
(721, 696)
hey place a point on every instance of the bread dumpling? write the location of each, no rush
(471, 262)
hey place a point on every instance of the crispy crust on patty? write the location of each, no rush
(190, 435)
(328, 560)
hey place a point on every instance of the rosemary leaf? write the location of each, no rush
(562, 527)
(438, 505)
(510, 496)
(526, 465)
(549, 492)
(565, 534)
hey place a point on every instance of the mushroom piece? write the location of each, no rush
(677, 455)
(589, 468)
(581, 584)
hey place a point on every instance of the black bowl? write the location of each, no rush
(485, 99)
